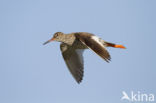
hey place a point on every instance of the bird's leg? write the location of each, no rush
(114, 45)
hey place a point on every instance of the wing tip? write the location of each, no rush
(79, 80)
(107, 59)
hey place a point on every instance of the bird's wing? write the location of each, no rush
(95, 44)
(74, 60)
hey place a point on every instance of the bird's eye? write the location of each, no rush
(56, 35)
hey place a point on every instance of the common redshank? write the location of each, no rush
(74, 44)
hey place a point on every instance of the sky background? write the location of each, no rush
(33, 73)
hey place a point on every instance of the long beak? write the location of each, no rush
(48, 41)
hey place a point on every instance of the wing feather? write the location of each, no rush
(74, 61)
(95, 45)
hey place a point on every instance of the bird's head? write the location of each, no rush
(56, 37)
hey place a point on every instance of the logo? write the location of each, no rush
(137, 97)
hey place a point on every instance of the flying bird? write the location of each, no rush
(72, 47)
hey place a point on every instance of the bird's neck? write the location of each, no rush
(68, 39)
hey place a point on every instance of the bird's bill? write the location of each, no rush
(48, 41)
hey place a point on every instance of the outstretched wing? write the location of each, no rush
(95, 44)
(74, 60)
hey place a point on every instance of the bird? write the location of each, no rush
(73, 45)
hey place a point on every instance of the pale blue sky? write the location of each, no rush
(33, 73)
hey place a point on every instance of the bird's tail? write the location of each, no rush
(115, 45)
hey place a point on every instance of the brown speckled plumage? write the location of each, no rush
(74, 44)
